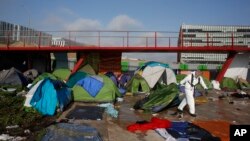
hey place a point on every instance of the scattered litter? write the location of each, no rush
(129, 93)
(22, 93)
(12, 126)
(119, 99)
(11, 90)
(234, 122)
(212, 99)
(131, 109)
(29, 85)
(155, 114)
(6, 137)
(27, 131)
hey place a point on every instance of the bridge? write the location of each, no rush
(120, 41)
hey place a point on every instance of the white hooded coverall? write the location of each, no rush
(189, 91)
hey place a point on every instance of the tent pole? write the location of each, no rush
(79, 63)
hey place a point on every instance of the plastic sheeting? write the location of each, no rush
(71, 132)
(109, 108)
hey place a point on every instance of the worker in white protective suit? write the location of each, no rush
(189, 82)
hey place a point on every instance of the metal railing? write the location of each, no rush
(124, 39)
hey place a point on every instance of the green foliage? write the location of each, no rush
(12, 113)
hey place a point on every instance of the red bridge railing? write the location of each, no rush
(120, 39)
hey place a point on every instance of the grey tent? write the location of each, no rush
(12, 77)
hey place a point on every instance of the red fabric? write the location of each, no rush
(153, 124)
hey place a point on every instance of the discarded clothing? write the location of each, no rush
(109, 108)
(153, 124)
(190, 131)
(178, 129)
(162, 132)
(239, 95)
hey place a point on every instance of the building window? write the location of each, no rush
(243, 30)
(189, 35)
(194, 30)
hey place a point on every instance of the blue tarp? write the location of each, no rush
(91, 84)
(48, 94)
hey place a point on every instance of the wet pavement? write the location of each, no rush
(215, 109)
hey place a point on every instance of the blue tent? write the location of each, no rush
(50, 94)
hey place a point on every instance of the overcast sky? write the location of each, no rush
(149, 15)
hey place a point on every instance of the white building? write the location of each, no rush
(202, 35)
(10, 33)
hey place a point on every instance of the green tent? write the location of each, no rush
(75, 77)
(207, 82)
(87, 69)
(108, 92)
(228, 83)
(62, 74)
(243, 84)
(179, 77)
(161, 98)
(137, 84)
(43, 76)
